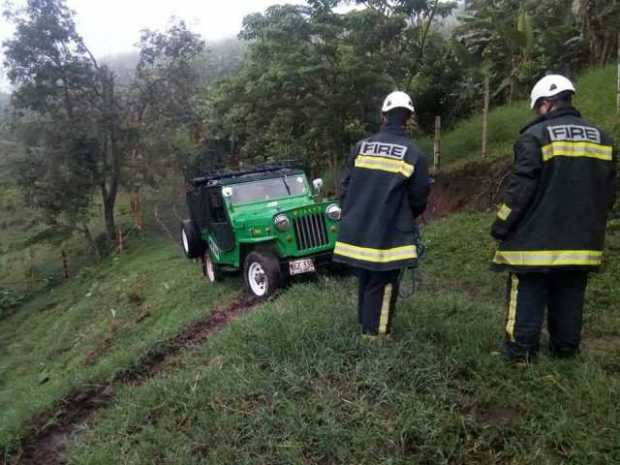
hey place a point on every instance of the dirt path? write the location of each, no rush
(477, 185)
(50, 432)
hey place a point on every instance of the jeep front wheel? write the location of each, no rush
(261, 272)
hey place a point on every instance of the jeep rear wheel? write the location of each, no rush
(261, 272)
(193, 245)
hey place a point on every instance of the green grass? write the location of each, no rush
(293, 382)
(27, 265)
(97, 324)
(595, 99)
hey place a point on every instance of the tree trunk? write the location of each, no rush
(425, 32)
(108, 215)
(111, 155)
(136, 210)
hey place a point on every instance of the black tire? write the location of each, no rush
(191, 242)
(267, 265)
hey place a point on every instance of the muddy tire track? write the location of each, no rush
(46, 440)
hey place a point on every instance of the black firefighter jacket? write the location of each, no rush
(558, 196)
(385, 187)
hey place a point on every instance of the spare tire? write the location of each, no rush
(192, 243)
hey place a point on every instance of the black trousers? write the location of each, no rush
(562, 294)
(377, 294)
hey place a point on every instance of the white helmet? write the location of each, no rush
(397, 99)
(549, 86)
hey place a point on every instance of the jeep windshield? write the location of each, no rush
(268, 189)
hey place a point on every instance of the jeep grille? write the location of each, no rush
(310, 231)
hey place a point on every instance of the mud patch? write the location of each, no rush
(50, 432)
(476, 185)
(151, 364)
(46, 441)
(603, 344)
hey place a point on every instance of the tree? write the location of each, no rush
(72, 99)
(165, 103)
(598, 23)
(313, 79)
(517, 41)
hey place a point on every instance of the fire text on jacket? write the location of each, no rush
(382, 149)
(575, 133)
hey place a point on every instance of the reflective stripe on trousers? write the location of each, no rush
(559, 292)
(378, 291)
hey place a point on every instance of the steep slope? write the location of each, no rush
(294, 383)
(101, 322)
(596, 99)
(467, 180)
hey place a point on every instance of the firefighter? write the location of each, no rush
(551, 225)
(384, 188)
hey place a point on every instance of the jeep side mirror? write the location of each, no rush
(317, 184)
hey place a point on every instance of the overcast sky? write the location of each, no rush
(113, 26)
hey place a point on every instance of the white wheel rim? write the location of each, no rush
(185, 241)
(210, 269)
(257, 278)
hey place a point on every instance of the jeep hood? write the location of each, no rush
(267, 210)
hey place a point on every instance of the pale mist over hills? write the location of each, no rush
(222, 58)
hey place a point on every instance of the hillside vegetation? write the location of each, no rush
(595, 99)
(293, 382)
(99, 323)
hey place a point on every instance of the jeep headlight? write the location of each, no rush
(281, 222)
(333, 212)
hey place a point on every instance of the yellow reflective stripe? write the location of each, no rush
(384, 164)
(566, 148)
(385, 309)
(511, 319)
(367, 254)
(504, 212)
(549, 257)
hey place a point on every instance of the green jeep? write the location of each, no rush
(267, 221)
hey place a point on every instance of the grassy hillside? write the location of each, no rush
(596, 91)
(96, 325)
(294, 383)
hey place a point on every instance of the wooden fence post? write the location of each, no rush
(618, 84)
(136, 208)
(119, 236)
(65, 263)
(485, 116)
(437, 145)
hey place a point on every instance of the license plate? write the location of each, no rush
(305, 265)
